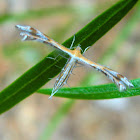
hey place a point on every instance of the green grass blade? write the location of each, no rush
(107, 91)
(38, 75)
(57, 117)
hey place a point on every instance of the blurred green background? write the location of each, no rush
(119, 49)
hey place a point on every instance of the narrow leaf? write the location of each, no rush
(107, 91)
